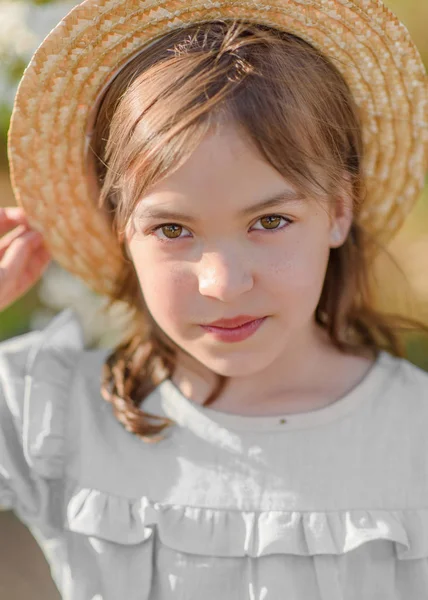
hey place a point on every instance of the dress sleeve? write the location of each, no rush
(35, 374)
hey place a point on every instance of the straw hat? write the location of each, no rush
(52, 174)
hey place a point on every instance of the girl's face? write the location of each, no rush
(209, 242)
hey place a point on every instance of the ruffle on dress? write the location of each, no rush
(227, 533)
(49, 373)
(189, 529)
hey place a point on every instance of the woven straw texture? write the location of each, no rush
(47, 143)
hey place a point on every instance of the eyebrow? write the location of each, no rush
(286, 196)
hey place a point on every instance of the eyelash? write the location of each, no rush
(166, 239)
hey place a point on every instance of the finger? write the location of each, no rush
(20, 268)
(16, 256)
(17, 233)
(10, 237)
(11, 216)
(31, 274)
(40, 260)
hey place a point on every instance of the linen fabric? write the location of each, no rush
(330, 504)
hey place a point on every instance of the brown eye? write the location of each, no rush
(171, 231)
(271, 221)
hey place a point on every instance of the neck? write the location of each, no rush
(289, 373)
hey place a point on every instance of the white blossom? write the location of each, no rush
(59, 289)
(16, 37)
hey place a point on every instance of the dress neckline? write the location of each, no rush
(181, 409)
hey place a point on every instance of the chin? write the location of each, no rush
(242, 366)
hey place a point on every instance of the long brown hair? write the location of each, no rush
(297, 109)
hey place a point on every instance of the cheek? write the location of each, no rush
(166, 289)
(298, 274)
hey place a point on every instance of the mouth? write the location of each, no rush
(234, 334)
(234, 322)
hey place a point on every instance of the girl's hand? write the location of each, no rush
(23, 255)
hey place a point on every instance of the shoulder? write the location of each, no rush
(407, 376)
(403, 398)
(18, 355)
(43, 355)
(35, 374)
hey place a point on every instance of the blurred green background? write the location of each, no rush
(403, 282)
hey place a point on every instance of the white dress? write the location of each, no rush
(324, 505)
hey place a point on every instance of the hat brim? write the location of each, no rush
(51, 172)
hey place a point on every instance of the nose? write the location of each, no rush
(224, 275)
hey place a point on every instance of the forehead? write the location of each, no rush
(225, 170)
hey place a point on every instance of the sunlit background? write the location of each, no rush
(403, 282)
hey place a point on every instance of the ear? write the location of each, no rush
(341, 215)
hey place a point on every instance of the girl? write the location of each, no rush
(263, 436)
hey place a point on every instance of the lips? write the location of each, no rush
(234, 334)
(231, 323)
